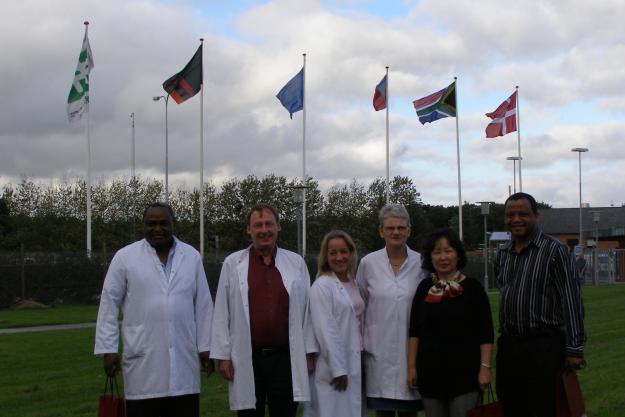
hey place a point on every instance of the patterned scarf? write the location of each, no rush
(440, 289)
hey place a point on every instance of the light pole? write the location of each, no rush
(132, 149)
(514, 159)
(132, 176)
(485, 206)
(596, 216)
(298, 198)
(166, 99)
(579, 152)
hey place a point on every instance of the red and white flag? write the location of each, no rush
(504, 118)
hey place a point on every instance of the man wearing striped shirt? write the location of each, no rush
(540, 313)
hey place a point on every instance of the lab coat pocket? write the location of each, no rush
(133, 338)
(188, 336)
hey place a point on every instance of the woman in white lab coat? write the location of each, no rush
(388, 280)
(336, 310)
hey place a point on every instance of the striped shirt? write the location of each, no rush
(539, 290)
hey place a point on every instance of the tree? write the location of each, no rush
(346, 208)
(5, 223)
(402, 191)
(49, 217)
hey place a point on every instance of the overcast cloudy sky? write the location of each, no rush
(568, 58)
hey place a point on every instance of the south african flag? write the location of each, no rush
(438, 105)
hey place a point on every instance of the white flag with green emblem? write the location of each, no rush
(78, 99)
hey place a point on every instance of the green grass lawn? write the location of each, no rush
(50, 374)
(603, 380)
(62, 314)
(54, 374)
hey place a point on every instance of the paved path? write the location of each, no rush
(47, 328)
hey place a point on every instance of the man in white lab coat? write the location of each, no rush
(258, 335)
(160, 286)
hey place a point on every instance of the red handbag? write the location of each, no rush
(111, 404)
(569, 400)
(492, 409)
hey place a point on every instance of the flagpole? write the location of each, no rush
(132, 178)
(387, 142)
(202, 155)
(166, 150)
(88, 185)
(89, 247)
(304, 177)
(132, 147)
(518, 132)
(458, 161)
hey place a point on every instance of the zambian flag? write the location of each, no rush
(438, 105)
(78, 99)
(187, 82)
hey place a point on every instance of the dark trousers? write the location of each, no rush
(527, 372)
(273, 383)
(178, 406)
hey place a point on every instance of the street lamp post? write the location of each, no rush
(132, 146)
(132, 177)
(596, 216)
(298, 198)
(166, 99)
(514, 159)
(485, 206)
(579, 152)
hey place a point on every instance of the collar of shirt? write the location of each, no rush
(256, 255)
(170, 259)
(410, 256)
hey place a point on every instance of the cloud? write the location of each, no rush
(566, 57)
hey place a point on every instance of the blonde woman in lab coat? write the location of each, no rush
(336, 312)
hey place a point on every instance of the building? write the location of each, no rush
(608, 226)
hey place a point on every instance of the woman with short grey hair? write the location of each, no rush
(388, 279)
(393, 210)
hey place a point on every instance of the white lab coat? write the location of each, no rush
(388, 300)
(165, 322)
(336, 332)
(231, 339)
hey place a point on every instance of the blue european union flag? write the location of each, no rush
(292, 94)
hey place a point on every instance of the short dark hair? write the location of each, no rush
(259, 208)
(454, 242)
(521, 196)
(160, 204)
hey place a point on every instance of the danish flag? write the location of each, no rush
(504, 118)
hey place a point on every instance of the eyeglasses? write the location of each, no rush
(389, 229)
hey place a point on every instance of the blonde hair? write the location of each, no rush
(322, 264)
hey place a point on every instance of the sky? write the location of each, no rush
(567, 57)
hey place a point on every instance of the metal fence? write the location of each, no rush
(72, 278)
(608, 265)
